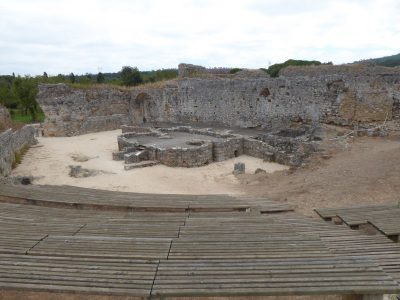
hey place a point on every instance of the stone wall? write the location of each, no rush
(4, 117)
(228, 148)
(289, 147)
(332, 94)
(72, 111)
(186, 157)
(256, 148)
(340, 95)
(12, 143)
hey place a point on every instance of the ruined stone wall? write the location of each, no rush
(364, 93)
(72, 111)
(256, 148)
(341, 95)
(229, 148)
(237, 101)
(186, 157)
(4, 117)
(331, 94)
(12, 143)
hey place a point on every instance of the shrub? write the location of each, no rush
(273, 70)
(235, 70)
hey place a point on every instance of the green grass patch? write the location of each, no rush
(18, 155)
(88, 86)
(19, 117)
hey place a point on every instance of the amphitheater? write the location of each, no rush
(64, 237)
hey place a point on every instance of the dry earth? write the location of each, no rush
(367, 172)
(50, 160)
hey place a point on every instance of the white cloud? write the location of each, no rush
(85, 36)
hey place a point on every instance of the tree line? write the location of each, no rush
(18, 93)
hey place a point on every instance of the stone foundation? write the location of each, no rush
(292, 151)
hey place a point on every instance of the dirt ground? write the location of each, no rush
(367, 172)
(359, 171)
(49, 163)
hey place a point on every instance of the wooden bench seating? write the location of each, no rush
(74, 197)
(384, 218)
(206, 251)
(267, 277)
(74, 274)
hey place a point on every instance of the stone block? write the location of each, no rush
(239, 168)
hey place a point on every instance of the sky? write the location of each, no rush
(88, 36)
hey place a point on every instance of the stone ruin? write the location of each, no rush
(5, 118)
(13, 143)
(301, 97)
(342, 95)
(185, 146)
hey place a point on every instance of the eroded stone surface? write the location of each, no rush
(341, 95)
(4, 117)
(239, 168)
(79, 172)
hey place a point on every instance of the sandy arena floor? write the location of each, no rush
(49, 161)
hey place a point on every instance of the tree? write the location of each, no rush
(72, 77)
(100, 78)
(131, 76)
(6, 96)
(25, 90)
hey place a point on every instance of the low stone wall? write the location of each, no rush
(229, 148)
(259, 149)
(138, 129)
(293, 148)
(186, 157)
(11, 144)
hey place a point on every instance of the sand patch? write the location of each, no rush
(51, 164)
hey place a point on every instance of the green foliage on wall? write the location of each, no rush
(235, 70)
(273, 70)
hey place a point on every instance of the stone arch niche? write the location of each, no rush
(141, 108)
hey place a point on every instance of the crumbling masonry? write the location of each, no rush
(342, 95)
(330, 94)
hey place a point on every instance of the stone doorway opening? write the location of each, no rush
(141, 108)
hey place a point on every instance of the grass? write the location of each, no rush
(19, 117)
(154, 85)
(157, 84)
(84, 86)
(18, 155)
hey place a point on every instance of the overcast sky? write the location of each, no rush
(59, 36)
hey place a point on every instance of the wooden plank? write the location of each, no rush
(54, 274)
(205, 277)
(328, 213)
(81, 246)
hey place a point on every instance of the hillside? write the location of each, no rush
(388, 61)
